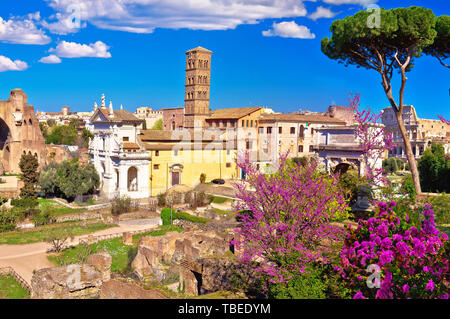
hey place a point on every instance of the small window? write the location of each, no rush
(175, 152)
(269, 130)
(156, 166)
(311, 149)
(156, 153)
(261, 130)
(251, 123)
(243, 122)
(247, 123)
(280, 130)
(228, 165)
(125, 139)
(292, 130)
(300, 148)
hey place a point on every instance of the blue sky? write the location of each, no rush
(133, 51)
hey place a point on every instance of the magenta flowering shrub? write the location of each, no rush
(387, 257)
(285, 218)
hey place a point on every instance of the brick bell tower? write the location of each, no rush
(196, 100)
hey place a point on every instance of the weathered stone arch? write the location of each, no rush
(5, 133)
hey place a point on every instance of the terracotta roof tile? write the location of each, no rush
(130, 146)
(301, 118)
(233, 113)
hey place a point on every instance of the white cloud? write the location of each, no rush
(22, 30)
(51, 59)
(76, 50)
(289, 29)
(6, 64)
(322, 12)
(143, 16)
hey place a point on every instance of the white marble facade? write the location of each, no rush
(122, 164)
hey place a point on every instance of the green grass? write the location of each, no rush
(223, 294)
(158, 232)
(21, 237)
(165, 216)
(222, 212)
(219, 200)
(56, 208)
(11, 289)
(122, 255)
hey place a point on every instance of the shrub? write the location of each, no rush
(441, 206)
(408, 187)
(8, 220)
(122, 205)
(162, 199)
(434, 170)
(197, 199)
(43, 216)
(58, 238)
(411, 262)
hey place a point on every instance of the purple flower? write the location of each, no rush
(405, 288)
(359, 295)
(430, 285)
(386, 257)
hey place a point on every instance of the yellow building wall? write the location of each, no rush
(213, 163)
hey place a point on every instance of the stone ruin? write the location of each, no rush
(73, 281)
(197, 256)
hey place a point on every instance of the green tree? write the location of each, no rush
(48, 180)
(29, 175)
(158, 126)
(68, 179)
(434, 170)
(85, 138)
(440, 49)
(400, 38)
(74, 180)
(62, 135)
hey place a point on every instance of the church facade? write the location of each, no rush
(115, 151)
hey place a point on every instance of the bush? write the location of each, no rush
(410, 262)
(122, 205)
(162, 199)
(441, 206)
(408, 187)
(197, 199)
(434, 170)
(43, 216)
(8, 220)
(58, 238)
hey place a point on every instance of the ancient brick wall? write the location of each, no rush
(19, 132)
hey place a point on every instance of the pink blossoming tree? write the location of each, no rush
(284, 215)
(373, 138)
